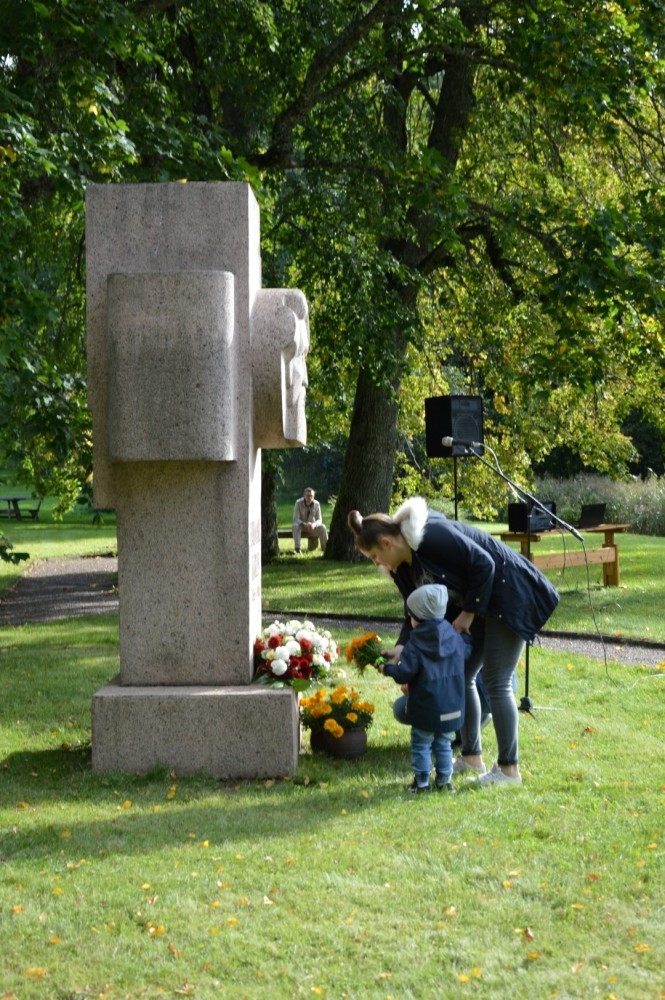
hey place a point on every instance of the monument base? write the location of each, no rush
(222, 732)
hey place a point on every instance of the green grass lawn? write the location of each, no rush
(312, 585)
(632, 610)
(332, 883)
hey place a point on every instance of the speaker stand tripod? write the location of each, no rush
(525, 705)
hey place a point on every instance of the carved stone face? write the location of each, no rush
(280, 342)
(294, 368)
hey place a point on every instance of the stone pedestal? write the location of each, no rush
(195, 730)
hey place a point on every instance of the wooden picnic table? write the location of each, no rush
(13, 508)
(607, 554)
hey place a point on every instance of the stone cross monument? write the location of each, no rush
(192, 369)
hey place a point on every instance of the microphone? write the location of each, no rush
(450, 442)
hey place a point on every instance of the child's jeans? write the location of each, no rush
(424, 747)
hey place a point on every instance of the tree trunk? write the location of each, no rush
(269, 538)
(367, 476)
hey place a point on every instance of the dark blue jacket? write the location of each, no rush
(489, 578)
(432, 664)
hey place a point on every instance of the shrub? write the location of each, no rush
(638, 502)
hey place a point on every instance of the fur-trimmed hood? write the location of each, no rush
(412, 519)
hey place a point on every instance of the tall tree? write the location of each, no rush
(471, 186)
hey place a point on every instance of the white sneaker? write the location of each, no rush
(460, 766)
(498, 777)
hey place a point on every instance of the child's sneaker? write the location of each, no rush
(415, 789)
(445, 786)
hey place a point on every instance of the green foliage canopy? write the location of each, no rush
(470, 194)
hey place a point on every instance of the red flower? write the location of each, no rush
(299, 666)
(305, 645)
(258, 647)
(274, 641)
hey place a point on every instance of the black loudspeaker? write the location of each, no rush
(540, 521)
(452, 416)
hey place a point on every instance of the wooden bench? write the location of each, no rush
(607, 554)
(312, 543)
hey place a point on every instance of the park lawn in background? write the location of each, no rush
(333, 882)
(310, 585)
(632, 610)
(74, 535)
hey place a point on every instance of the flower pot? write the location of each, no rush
(317, 741)
(350, 745)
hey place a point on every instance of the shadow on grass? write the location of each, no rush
(122, 812)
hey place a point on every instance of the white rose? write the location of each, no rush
(278, 667)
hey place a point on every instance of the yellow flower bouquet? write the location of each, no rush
(336, 712)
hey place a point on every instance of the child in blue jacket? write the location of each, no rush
(432, 665)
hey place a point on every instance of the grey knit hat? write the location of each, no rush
(428, 602)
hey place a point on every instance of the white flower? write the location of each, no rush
(320, 650)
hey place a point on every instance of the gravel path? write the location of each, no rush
(55, 589)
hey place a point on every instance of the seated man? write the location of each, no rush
(307, 519)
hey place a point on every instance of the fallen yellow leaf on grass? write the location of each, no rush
(33, 972)
(642, 947)
(175, 951)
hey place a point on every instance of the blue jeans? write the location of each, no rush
(496, 649)
(424, 747)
